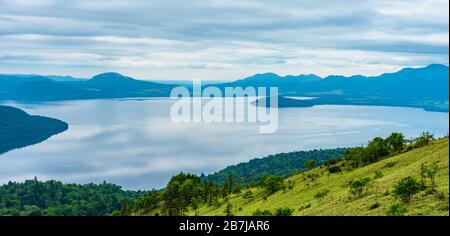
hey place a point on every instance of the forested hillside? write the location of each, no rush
(18, 129)
(412, 183)
(35, 198)
(282, 164)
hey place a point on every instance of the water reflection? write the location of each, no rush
(134, 143)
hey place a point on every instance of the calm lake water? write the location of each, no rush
(134, 143)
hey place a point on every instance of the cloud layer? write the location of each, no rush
(220, 39)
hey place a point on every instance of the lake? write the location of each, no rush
(134, 143)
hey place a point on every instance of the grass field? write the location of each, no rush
(338, 201)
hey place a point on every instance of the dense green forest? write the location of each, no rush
(282, 164)
(419, 167)
(36, 198)
(18, 129)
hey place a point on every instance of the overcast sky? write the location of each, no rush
(220, 39)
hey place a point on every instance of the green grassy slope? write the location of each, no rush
(338, 201)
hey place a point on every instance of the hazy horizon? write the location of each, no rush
(206, 80)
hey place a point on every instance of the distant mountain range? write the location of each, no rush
(431, 82)
(106, 85)
(425, 87)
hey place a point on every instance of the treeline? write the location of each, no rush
(53, 198)
(376, 149)
(283, 164)
(187, 191)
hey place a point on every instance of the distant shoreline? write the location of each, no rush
(285, 102)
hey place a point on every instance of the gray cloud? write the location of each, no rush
(220, 39)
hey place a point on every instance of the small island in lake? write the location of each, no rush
(287, 102)
(19, 129)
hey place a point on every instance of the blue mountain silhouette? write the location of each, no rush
(425, 87)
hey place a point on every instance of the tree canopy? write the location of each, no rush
(34, 197)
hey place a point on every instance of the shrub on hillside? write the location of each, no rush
(259, 212)
(406, 188)
(378, 174)
(358, 187)
(332, 161)
(396, 210)
(290, 184)
(374, 206)
(431, 171)
(272, 184)
(334, 169)
(248, 194)
(321, 194)
(283, 211)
